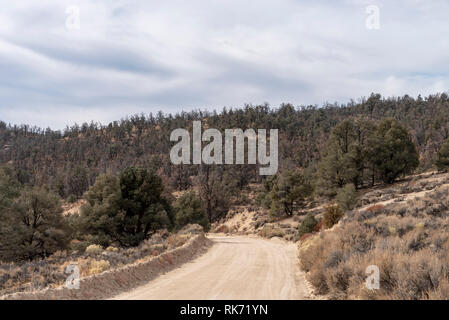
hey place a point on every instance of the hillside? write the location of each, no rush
(399, 228)
(69, 161)
(356, 186)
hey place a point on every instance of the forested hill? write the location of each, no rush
(69, 161)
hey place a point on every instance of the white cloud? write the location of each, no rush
(134, 56)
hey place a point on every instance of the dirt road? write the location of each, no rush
(234, 268)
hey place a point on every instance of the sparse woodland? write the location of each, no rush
(330, 154)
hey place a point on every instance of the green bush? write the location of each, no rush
(347, 197)
(189, 210)
(307, 225)
(94, 249)
(269, 231)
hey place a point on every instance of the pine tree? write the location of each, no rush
(126, 210)
(442, 162)
(396, 154)
(289, 192)
(189, 209)
(347, 197)
(346, 157)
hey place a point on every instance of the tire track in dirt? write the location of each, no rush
(236, 267)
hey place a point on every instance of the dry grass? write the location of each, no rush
(98, 266)
(50, 272)
(409, 242)
(271, 230)
(94, 249)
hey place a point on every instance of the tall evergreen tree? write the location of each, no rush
(442, 162)
(346, 157)
(289, 192)
(396, 154)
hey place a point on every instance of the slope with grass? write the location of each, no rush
(402, 229)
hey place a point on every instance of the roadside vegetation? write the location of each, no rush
(338, 168)
(408, 241)
(125, 219)
(50, 272)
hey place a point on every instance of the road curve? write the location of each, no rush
(235, 267)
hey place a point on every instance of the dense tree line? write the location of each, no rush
(124, 173)
(70, 160)
(362, 152)
(357, 154)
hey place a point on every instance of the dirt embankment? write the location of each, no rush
(113, 282)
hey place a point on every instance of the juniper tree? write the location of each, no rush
(33, 226)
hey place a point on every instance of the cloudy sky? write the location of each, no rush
(131, 56)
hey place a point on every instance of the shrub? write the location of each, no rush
(39, 274)
(305, 236)
(270, 231)
(177, 240)
(222, 229)
(79, 246)
(71, 199)
(191, 229)
(98, 266)
(377, 208)
(318, 226)
(307, 225)
(441, 292)
(347, 197)
(411, 251)
(263, 200)
(94, 249)
(332, 215)
(189, 210)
